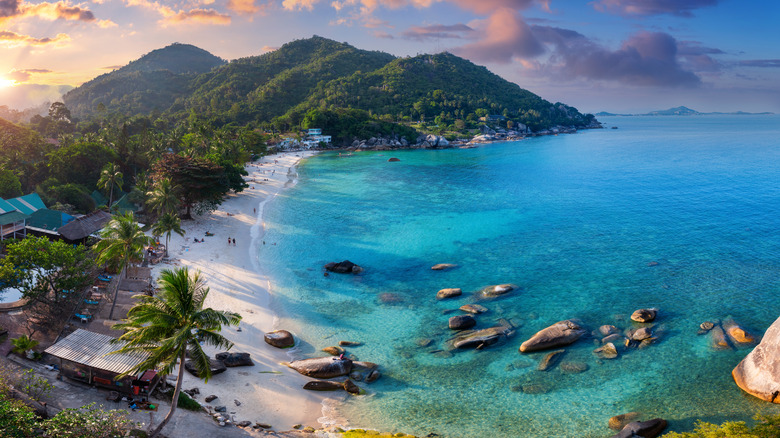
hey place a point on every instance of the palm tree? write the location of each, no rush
(164, 198)
(110, 177)
(169, 327)
(168, 223)
(122, 242)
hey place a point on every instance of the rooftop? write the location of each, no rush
(92, 349)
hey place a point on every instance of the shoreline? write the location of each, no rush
(269, 392)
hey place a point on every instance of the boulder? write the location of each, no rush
(759, 372)
(364, 366)
(373, 376)
(645, 429)
(216, 367)
(618, 422)
(483, 338)
(612, 338)
(449, 293)
(718, 339)
(345, 267)
(443, 266)
(393, 159)
(323, 385)
(549, 360)
(462, 322)
(559, 334)
(280, 339)
(349, 344)
(640, 334)
(497, 290)
(333, 351)
(608, 351)
(235, 359)
(644, 315)
(322, 367)
(737, 334)
(473, 308)
(351, 387)
(606, 330)
(211, 398)
(573, 367)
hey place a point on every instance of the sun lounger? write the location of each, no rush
(104, 278)
(92, 302)
(84, 318)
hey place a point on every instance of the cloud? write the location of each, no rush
(11, 39)
(645, 59)
(29, 95)
(61, 10)
(292, 5)
(505, 36)
(488, 6)
(436, 31)
(205, 16)
(25, 75)
(681, 8)
(383, 35)
(245, 7)
(112, 67)
(762, 63)
(696, 57)
(266, 49)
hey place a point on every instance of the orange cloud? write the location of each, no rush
(24, 75)
(205, 16)
(244, 6)
(12, 39)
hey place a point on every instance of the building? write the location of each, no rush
(14, 214)
(80, 228)
(84, 356)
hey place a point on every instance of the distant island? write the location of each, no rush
(679, 111)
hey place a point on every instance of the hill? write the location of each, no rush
(679, 111)
(150, 83)
(282, 88)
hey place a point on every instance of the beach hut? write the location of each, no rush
(84, 356)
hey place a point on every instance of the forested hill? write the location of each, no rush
(305, 77)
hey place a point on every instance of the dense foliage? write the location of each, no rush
(765, 427)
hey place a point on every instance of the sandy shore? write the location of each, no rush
(268, 392)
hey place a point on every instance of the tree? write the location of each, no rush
(169, 328)
(50, 276)
(80, 162)
(110, 177)
(200, 180)
(122, 242)
(10, 187)
(167, 224)
(164, 198)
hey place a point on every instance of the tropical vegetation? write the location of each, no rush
(171, 326)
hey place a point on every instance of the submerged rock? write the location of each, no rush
(279, 339)
(483, 338)
(644, 315)
(737, 334)
(645, 429)
(559, 334)
(608, 351)
(473, 308)
(759, 372)
(443, 266)
(618, 422)
(718, 339)
(393, 159)
(449, 293)
(606, 330)
(322, 367)
(497, 290)
(462, 322)
(573, 367)
(333, 351)
(549, 360)
(640, 334)
(345, 267)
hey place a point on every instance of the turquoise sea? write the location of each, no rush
(678, 213)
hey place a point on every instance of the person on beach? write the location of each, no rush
(228, 240)
(234, 241)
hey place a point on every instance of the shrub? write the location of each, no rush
(22, 344)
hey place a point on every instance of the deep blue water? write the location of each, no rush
(576, 221)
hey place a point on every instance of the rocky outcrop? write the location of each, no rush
(443, 266)
(345, 267)
(235, 359)
(644, 315)
(497, 290)
(450, 292)
(759, 373)
(645, 429)
(559, 334)
(279, 339)
(216, 367)
(483, 338)
(322, 367)
(462, 322)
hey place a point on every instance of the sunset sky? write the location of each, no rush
(601, 55)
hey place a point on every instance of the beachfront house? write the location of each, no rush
(14, 214)
(84, 356)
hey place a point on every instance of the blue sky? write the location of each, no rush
(611, 55)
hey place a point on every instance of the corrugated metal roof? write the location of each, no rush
(27, 204)
(11, 217)
(5, 207)
(91, 349)
(48, 219)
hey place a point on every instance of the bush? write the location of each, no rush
(22, 344)
(766, 427)
(34, 386)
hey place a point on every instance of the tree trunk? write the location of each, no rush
(167, 240)
(175, 400)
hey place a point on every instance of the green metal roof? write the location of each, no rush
(27, 204)
(11, 217)
(5, 207)
(99, 198)
(48, 219)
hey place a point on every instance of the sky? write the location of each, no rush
(624, 56)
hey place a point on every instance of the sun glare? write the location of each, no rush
(5, 83)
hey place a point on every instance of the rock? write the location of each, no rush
(279, 339)
(473, 308)
(235, 359)
(483, 338)
(245, 423)
(612, 338)
(262, 426)
(640, 334)
(497, 290)
(333, 351)
(706, 325)
(449, 293)
(424, 342)
(323, 385)
(220, 409)
(645, 429)
(373, 376)
(759, 372)
(561, 333)
(618, 422)
(390, 298)
(211, 398)
(443, 266)
(535, 388)
(549, 360)
(238, 403)
(573, 367)
(345, 267)
(647, 342)
(718, 338)
(393, 159)
(608, 351)
(356, 376)
(322, 367)
(737, 334)
(364, 366)
(349, 344)
(462, 322)
(216, 367)
(606, 330)
(350, 387)
(644, 315)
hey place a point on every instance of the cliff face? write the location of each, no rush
(759, 373)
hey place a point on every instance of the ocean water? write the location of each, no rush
(678, 213)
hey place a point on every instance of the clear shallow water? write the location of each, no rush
(574, 220)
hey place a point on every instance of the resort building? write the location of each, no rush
(14, 214)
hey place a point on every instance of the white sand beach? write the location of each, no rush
(269, 392)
